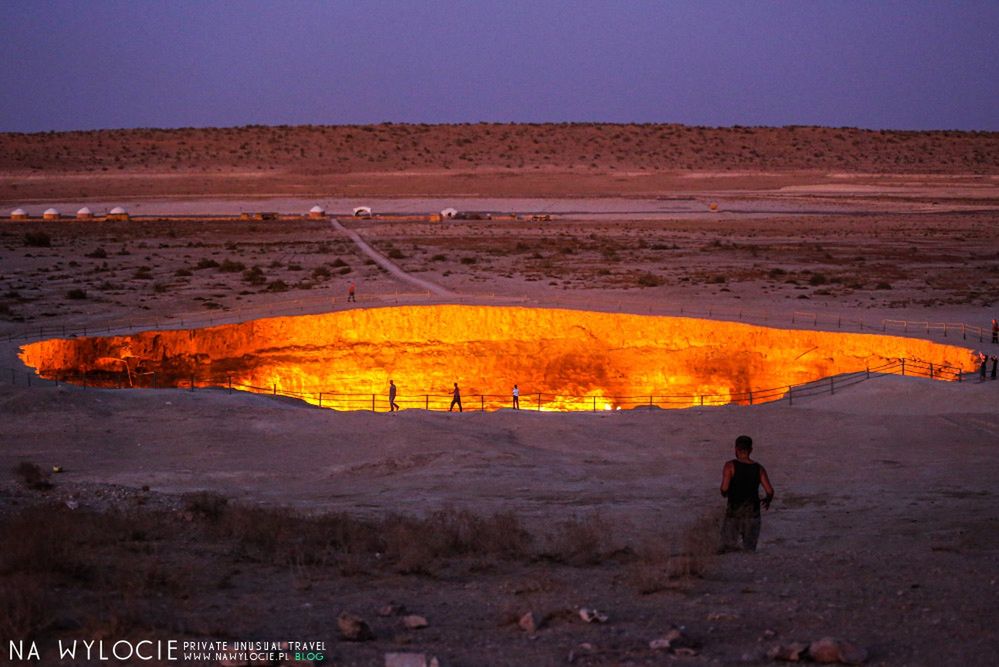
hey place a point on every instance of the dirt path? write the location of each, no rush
(389, 266)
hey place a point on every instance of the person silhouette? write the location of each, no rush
(455, 399)
(392, 405)
(741, 480)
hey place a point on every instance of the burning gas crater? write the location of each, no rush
(561, 359)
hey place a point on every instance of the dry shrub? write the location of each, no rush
(32, 476)
(581, 541)
(356, 545)
(662, 563)
(205, 503)
(23, 606)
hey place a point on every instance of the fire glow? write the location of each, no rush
(560, 359)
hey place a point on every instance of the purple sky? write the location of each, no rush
(99, 64)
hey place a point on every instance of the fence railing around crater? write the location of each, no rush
(379, 402)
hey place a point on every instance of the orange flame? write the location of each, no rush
(573, 359)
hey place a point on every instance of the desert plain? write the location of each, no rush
(211, 514)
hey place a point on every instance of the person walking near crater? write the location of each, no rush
(741, 481)
(392, 405)
(516, 397)
(351, 293)
(455, 399)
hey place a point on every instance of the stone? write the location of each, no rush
(832, 650)
(674, 637)
(792, 652)
(414, 622)
(722, 616)
(353, 629)
(528, 623)
(592, 615)
(392, 609)
(410, 660)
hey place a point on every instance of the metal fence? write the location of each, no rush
(539, 401)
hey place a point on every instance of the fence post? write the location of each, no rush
(868, 371)
(482, 403)
(594, 403)
(750, 396)
(650, 401)
(320, 399)
(931, 370)
(426, 398)
(539, 402)
(903, 367)
(372, 402)
(192, 383)
(702, 400)
(790, 395)
(959, 374)
(275, 389)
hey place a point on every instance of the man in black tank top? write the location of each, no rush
(741, 480)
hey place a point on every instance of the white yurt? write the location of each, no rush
(50, 214)
(317, 213)
(118, 213)
(84, 214)
(18, 214)
(449, 213)
(362, 212)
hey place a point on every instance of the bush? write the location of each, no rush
(438, 258)
(37, 240)
(395, 253)
(254, 276)
(650, 280)
(32, 476)
(229, 266)
(883, 285)
(98, 253)
(76, 294)
(277, 286)
(817, 279)
(205, 263)
(469, 260)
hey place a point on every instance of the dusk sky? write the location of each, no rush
(902, 65)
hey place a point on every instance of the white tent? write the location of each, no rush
(18, 214)
(50, 214)
(117, 210)
(84, 214)
(449, 213)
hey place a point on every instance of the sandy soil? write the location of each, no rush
(882, 532)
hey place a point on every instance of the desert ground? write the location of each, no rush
(209, 514)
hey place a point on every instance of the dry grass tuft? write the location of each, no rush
(32, 476)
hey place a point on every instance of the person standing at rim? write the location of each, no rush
(392, 406)
(456, 399)
(741, 480)
(351, 293)
(516, 397)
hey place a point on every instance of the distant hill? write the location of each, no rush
(388, 147)
(578, 159)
